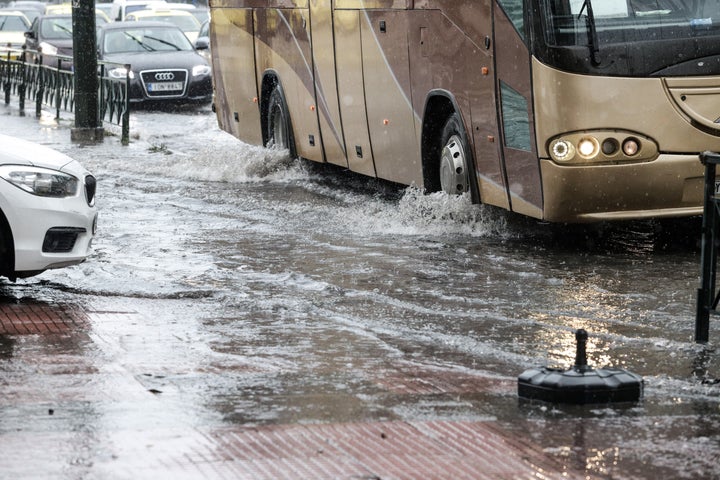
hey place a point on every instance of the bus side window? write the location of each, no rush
(514, 10)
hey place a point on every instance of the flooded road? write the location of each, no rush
(245, 288)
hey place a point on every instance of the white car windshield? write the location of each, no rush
(12, 23)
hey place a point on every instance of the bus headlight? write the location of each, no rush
(610, 146)
(562, 150)
(602, 147)
(631, 147)
(588, 147)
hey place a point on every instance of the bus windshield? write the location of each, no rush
(632, 37)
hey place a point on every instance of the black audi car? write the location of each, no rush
(164, 66)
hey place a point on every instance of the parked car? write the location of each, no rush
(165, 67)
(202, 43)
(182, 19)
(31, 9)
(201, 13)
(48, 216)
(66, 9)
(53, 35)
(106, 8)
(121, 8)
(13, 26)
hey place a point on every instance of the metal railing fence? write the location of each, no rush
(44, 81)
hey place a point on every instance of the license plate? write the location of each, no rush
(164, 86)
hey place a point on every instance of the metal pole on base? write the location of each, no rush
(580, 384)
(707, 300)
(88, 127)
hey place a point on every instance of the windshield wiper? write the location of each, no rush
(592, 32)
(147, 48)
(63, 28)
(165, 42)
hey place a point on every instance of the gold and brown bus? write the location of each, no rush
(563, 110)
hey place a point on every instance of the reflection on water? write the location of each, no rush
(6, 346)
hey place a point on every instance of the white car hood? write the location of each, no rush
(15, 38)
(15, 151)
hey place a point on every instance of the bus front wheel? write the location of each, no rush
(454, 165)
(279, 127)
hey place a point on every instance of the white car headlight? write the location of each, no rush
(48, 49)
(40, 181)
(200, 70)
(120, 72)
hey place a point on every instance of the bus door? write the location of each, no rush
(514, 94)
(351, 89)
(235, 86)
(388, 94)
(326, 85)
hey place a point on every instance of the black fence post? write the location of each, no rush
(23, 84)
(7, 71)
(102, 104)
(126, 111)
(58, 90)
(40, 91)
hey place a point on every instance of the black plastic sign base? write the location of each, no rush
(580, 386)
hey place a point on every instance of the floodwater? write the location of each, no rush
(278, 292)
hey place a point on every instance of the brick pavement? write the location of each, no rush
(24, 317)
(361, 450)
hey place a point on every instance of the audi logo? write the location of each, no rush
(164, 76)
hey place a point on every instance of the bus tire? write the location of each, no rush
(454, 165)
(279, 127)
(7, 249)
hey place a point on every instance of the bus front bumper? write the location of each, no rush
(669, 186)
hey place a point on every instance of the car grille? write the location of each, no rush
(164, 83)
(61, 239)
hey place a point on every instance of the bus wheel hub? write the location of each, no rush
(453, 167)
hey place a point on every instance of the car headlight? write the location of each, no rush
(40, 181)
(200, 70)
(48, 49)
(120, 72)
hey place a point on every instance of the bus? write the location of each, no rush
(562, 110)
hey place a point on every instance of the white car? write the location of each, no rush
(47, 209)
(13, 26)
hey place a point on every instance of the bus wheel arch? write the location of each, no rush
(448, 163)
(274, 115)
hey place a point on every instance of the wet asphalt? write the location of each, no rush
(243, 317)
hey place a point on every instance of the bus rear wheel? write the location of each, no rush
(279, 126)
(454, 164)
